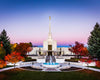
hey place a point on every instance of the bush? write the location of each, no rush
(97, 64)
(72, 60)
(2, 64)
(29, 59)
(86, 60)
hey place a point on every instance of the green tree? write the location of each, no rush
(2, 53)
(5, 41)
(94, 42)
(30, 44)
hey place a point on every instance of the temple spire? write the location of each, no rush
(50, 35)
(49, 24)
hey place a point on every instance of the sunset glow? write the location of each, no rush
(28, 20)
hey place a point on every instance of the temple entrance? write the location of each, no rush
(49, 48)
(50, 53)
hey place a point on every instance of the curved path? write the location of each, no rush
(94, 69)
(73, 65)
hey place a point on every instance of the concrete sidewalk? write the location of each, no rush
(4, 69)
(84, 67)
(73, 65)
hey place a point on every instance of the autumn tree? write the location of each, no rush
(4, 39)
(14, 57)
(29, 49)
(30, 44)
(79, 49)
(23, 48)
(13, 46)
(2, 63)
(94, 42)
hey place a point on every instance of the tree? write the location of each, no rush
(30, 44)
(14, 58)
(4, 39)
(13, 46)
(94, 42)
(2, 64)
(22, 48)
(2, 53)
(97, 64)
(29, 49)
(79, 49)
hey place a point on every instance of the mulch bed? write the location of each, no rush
(30, 68)
(71, 60)
(71, 69)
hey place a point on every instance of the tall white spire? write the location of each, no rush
(49, 24)
(50, 34)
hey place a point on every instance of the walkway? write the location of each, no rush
(51, 69)
(48, 69)
(4, 69)
(83, 67)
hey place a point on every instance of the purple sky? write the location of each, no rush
(28, 20)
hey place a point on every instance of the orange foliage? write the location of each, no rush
(1, 44)
(14, 57)
(29, 49)
(22, 48)
(2, 64)
(79, 49)
(98, 64)
(13, 46)
(86, 60)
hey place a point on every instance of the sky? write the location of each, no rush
(28, 20)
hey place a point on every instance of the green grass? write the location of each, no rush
(32, 75)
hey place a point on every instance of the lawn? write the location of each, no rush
(18, 74)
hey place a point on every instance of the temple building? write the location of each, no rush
(50, 48)
(50, 45)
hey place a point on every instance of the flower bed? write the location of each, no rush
(87, 62)
(97, 64)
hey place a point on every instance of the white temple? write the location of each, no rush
(50, 48)
(50, 44)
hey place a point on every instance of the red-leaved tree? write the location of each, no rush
(97, 64)
(79, 49)
(14, 57)
(23, 48)
(2, 64)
